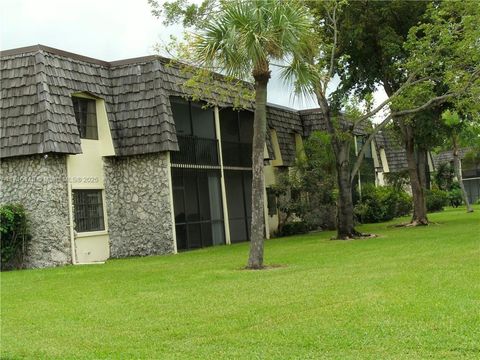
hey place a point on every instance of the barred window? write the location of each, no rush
(86, 116)
(88, 207)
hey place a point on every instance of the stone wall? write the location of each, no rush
(138, 205)
(40, 184)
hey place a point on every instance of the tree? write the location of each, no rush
(341, 110)
(242, 40)
(386, 47)
(456, 125)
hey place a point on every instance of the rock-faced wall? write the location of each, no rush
(40, 184)
(138, 205)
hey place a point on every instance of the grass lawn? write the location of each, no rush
(410, 293)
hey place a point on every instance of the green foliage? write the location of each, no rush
(399, 180)
(246, 36)
(306, 192)
(293, 228)
(455, 195)
(444, 176)
(382, 203)
(436, 199)
(14, 235)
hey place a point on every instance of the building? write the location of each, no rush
(111, 160)
(470, 168)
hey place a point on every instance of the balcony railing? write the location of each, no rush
(237, 154)
(196, 151)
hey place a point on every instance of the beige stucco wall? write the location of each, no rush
(85, 171)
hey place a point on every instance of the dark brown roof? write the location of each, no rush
(447, 156)
(312, 120)
(395, 153)
(37, 113)
(287, 123)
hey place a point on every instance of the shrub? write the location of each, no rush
(293, 228)
(382, 204)
(13, 235)
(436, 199)
(455, 195)
(404, 204)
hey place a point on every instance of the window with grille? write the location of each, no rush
(88, 207)
(86, 116)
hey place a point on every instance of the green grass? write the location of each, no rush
(410, 293)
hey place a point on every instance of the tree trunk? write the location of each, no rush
(458, 174)
(422, 167)
(418, 192)
(345, 216)
(341, 151)
(255, 259)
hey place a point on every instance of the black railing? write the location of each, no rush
(237, 154)
(196, 151)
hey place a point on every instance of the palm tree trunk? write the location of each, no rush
(255, 259)
(458, 173)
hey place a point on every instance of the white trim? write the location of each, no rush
(222, 176)
(91, 233)
(358, 172)
(172, 210)
(474, 178)
(265, 210)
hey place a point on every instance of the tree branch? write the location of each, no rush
(333, 19)
(434, 101)
(361, 154)
(406, 84)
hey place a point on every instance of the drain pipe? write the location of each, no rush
(70, 223)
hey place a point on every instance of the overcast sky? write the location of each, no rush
(103, 29)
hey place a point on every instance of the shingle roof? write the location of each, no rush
(312, 121)
(396, 156)
(28, 109)
(37, 113)
(287, 123)
(447, 156)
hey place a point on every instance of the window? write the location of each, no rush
(88, 208)
(236, 129)
(86, 116)
(195, 128)
(272, 202)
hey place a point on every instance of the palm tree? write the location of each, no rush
(242, 40)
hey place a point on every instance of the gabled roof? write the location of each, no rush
(37, 113)
(287, 123)
(395, 153)
(447, 156)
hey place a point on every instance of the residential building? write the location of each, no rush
(111, 160)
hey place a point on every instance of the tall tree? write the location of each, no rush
(386, 47)
(456, 127)
(241, 40)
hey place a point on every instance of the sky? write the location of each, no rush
(103, 29)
